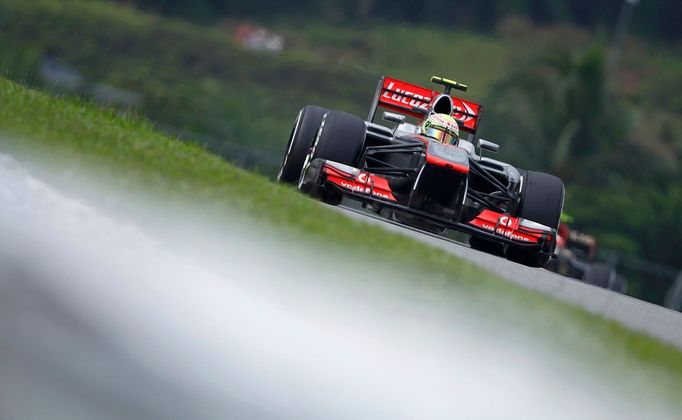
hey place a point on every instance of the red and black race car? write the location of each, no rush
(418, 181)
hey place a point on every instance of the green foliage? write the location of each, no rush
(199, 79)
(554, 112)
(18, 63)
(655, 18)
(190, 77)
(635, 218)
(558, 114)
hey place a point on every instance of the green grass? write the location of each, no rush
(80, 136)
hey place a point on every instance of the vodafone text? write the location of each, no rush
(363, 190)
(508, 233)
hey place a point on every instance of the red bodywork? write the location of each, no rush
(363, 182)
(404, 97)
(434, 160)
(510, 227)
(358, 181)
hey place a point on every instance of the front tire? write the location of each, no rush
(301, 138)
(542, 200)
(340, 138)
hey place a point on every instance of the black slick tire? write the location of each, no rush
(340, 138)
(542, 200)
(301, 138)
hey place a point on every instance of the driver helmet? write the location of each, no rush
(441, 127)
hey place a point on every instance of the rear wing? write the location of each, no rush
(416, 101)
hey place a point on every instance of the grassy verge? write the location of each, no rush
(132, 153)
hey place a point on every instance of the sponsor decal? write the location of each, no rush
(363, 190)
(464, 112)
(354, 187)
(504, 232)
(502, 225)
(406, 97)
(359, 181)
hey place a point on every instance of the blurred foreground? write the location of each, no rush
(102, 318)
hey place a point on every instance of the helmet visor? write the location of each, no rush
(440, 135)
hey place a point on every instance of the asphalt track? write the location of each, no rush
(657, 321)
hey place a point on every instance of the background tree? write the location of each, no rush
(554, 113)
(656, 19)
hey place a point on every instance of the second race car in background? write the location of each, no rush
(416, 180)
(576, 252)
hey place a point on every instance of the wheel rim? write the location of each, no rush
(311, 153)
(297, 124)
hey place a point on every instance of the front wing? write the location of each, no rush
(373, 189)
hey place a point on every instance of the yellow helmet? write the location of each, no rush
(441, 127)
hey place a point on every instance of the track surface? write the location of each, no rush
(657, 321)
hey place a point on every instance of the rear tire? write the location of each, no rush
(542, 200)
(301, 138)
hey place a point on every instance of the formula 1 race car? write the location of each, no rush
(576, 252)
(419, 181)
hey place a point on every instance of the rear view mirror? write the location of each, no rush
(488, 145)
(393, 117)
